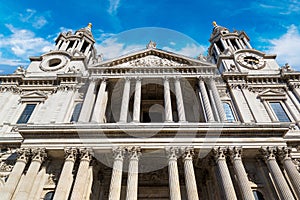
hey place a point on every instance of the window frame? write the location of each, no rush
(24, 115)
(284, 108)
(229, 103)
(73, 110)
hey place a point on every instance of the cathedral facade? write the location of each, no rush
(150, 124)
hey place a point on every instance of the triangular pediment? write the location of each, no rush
(35, 96)
(272, 94)
(153, 57)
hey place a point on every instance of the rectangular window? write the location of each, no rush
(76, 112)
(26, 114)
(279, 112)
(228, 112)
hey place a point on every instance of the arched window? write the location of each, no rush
(76, 112)
(258, 195)
(228, 112)
(49, 195)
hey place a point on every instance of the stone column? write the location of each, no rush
(224, 175)
(125, 101)
(207, 106)
(116, 177)
(38, 156)
(15, 175)
(167, 98)
(137, 100)
(241, 174)
(88, 102)
(189, 174)
(279, 180)
(132, 181)
(290, 169)
(65, 181)
(217, 99)
(82, 175)
(173, 173)
(98, 108)
(179, 101)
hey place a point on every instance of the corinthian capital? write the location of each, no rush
(134, 152)
(235, 153)
(39, 154)
(118, 153)
(219, 153)
(23, 154)
(187, 153)
(71, 153)
(268, 152)
(172, 152)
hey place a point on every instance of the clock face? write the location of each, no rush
(250, 60)
(53, 63)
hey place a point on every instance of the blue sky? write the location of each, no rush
(29, 28)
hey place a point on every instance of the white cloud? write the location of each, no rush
(190, 50)
(113, 7)
(21, 44)
(11, 62)
(285, 7)
(287, 47)
(110, 48)
(31, 17)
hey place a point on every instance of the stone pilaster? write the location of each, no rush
(236, 159)
(116, 177)
(64, 185)
(279, 180)
(189, 174)
(98, 108)
(290, 169)
(88, 103)
(179, 100)
(82, 175)
(132, 181)
(125, 101)
(137, 100)
(15, 176)
(224, 175)
(38, 156)
(216, 96)
(206, 103)
(173, 173)
(167, 98)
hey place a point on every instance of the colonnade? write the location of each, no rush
(20, 186)
(93, 106)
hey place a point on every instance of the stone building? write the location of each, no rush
(150, 124)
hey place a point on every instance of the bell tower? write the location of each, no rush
(232, 51)
(81, 42)
(73, 52)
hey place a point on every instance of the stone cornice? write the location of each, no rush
(158, 130)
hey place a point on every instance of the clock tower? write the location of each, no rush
(232, 51)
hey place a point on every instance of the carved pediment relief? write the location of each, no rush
(272, 94)
(151, 60)
(35, 96)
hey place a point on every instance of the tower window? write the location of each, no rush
(228, 112)
(279, 112)
(71, 43)
(49, 195)
(258, 195)
(26, 114)
(220, 45)
(84, 46)
(76, 112)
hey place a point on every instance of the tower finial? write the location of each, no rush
(89, 25)
(214, 23)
